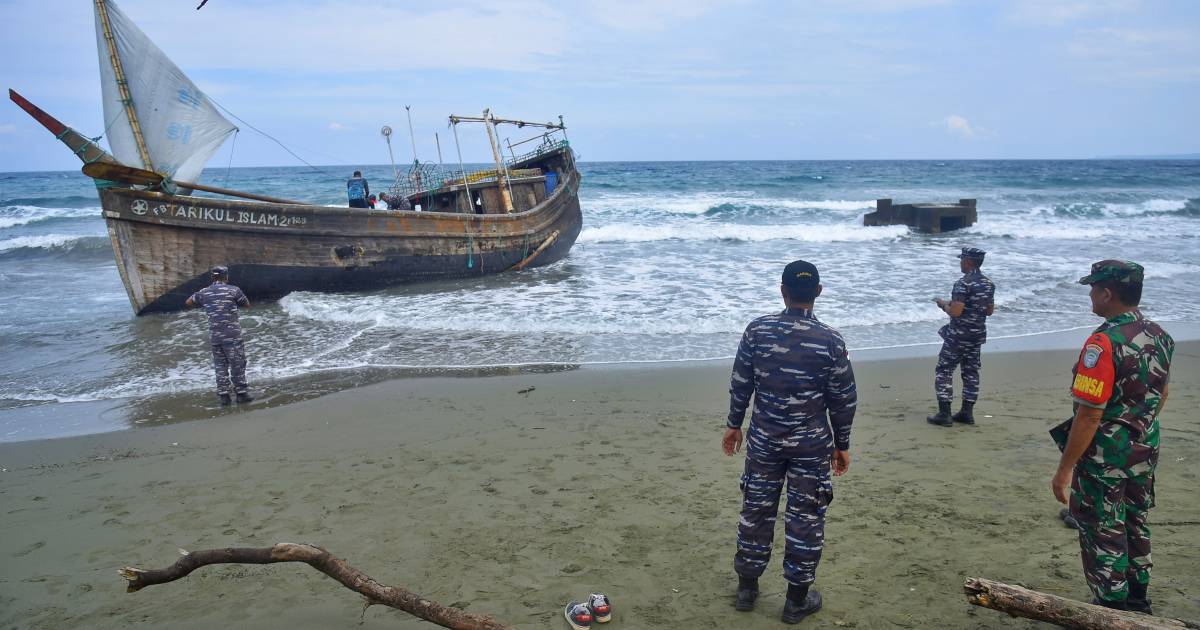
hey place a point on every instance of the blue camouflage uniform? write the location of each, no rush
(964, 336)
(220, 302)
(798, 371)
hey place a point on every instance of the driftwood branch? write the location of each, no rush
(324, 562)
(1023, 602)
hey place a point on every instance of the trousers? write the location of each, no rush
(957, 354)
(229, 362)
(1114, 539)
(809, 491)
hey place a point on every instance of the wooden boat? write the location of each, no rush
(166, 239)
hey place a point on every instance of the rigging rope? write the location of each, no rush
(271, 138)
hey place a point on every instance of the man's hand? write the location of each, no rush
(840, 462)
(940, 303)
(1060, 485)
(732, 441)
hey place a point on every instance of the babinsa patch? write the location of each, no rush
(1091, 355)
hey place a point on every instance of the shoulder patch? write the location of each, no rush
(1091, 355)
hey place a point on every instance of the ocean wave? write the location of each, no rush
(15, 215)
(66, 201)
(1098, 209)
(628, 233)
(720, 203)
(55, 245)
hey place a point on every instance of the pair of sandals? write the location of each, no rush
(581, 615)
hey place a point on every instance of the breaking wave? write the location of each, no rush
(56, 246)
(828, 233)
(15, 215)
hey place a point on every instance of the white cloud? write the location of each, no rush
(8, 128)
(958, 125)
(337, 126)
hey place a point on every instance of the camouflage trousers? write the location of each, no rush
(809, 491)
(1114, 539)
(229, 362)
(957, 354)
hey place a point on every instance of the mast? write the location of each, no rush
(500, 183)
(122, 84)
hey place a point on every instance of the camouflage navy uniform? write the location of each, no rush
(798, 370)
(220, 302)
(1123, 368)
(964, 336)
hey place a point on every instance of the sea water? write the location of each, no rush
(674, 259)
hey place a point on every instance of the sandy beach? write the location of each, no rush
(475, 494)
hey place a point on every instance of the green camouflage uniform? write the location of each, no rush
(1113, 486)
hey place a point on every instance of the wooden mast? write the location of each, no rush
(122, 84)
(491, 130)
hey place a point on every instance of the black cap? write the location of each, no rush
(972, 253)
(220, 271)
(801, 274)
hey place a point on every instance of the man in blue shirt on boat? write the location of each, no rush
(221, 301)
(798, 372)
(358, 190)
(971, 302)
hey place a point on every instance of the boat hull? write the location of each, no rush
(165, 244)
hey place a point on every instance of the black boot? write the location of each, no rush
(801, 602)
(225, 400)
(747, 594)
(244, 398)
(966, 415)
(1116, 604)
(1138, 600)
(942, 417)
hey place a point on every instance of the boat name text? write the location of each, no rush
(217, 215)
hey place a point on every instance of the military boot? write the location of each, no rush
(225, 400)
(747, 593)
(942, 417)
(801, 602)
(966, 415)
(1138, 600)
(1115, 604)
(244, 398)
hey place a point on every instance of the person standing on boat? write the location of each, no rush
(799, 374)
(221, 301)
(358, 190)
(971, 302)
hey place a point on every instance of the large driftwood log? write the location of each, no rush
(324, 562)
(1023, 602)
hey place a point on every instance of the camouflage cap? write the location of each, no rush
(973, 253)
(1124, 271)
(220, 271)
(800, 274)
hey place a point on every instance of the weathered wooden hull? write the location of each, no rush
(166, 244)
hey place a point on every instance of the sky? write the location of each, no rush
(641, 79)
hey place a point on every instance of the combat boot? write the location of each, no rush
(801, 602)
(1115, 604)
(225, 400)
(1138, 600)
(244, 398)
(966, 415)
(747, 594)
(942, 417)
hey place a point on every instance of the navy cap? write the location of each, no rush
(973, 253)
(1123, 271)
(220, 271)
(800, 274)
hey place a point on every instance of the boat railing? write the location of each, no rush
(542, 149)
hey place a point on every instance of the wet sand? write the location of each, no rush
(475, 494)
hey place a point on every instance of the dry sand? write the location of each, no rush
(475, 495)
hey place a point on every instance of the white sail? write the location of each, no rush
(180, 126)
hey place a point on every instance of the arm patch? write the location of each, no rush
(1095, 372)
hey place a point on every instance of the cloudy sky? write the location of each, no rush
(644, 79)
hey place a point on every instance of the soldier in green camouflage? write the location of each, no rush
(1110, 446)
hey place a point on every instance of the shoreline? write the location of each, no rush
(50, 420)
(507, 500)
